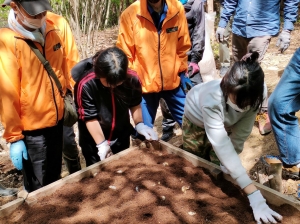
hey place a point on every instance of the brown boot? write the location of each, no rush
(264, 124)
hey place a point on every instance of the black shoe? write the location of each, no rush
(223, 70)
(167, 136)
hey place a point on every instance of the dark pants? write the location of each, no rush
(88, 145)
(70, 150)
(242, 46)
(44, 162)
(174, 98)
(168, 121)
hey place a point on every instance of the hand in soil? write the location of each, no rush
(261, 210)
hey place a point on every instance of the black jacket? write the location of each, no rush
(195, 15)
(109, 106)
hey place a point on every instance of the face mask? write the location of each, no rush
(30, 22)
(235, 107)
(153, 1)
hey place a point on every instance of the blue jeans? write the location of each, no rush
(174, 98)
(283, 104)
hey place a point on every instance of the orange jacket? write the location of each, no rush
(29, 99)
(157, 58)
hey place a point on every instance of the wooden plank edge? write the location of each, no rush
(273, 197)
(33, 197)
(10, 207)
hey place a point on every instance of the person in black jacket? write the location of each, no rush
(195, 15)
(105, 92)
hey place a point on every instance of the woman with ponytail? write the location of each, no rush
(218, 118)
(105, 92)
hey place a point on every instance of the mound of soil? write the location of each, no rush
(146, 186)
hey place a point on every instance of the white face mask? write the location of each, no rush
(30, 22)
(235, 107)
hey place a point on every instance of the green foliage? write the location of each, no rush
(3, 15)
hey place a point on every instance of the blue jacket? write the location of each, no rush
(254, 18)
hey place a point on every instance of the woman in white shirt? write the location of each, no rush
(218, 118)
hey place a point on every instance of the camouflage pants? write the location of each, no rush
(196, 142)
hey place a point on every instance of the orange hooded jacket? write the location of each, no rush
(29, 99)
(157, 58)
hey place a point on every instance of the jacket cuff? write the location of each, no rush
(288, 25)
(196, 58)
(14, 139)
(222, 23)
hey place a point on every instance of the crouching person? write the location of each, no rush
(219, 107)
(105, 92)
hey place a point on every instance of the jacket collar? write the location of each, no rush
(173, 9)
(50, 26)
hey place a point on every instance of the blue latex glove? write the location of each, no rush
(18, 151)
(183, 1)
(186, 83)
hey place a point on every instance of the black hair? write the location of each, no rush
(111, 64)
(245, 80)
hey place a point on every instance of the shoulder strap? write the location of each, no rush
(46, 64)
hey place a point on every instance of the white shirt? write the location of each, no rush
(205, 107)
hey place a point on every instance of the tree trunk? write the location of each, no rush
(107, 13)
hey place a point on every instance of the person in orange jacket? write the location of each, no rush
(32, 107)
(155, 37)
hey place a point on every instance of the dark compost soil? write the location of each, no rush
(146, 186)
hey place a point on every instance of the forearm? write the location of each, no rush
(198, 35)
(184, 43)
(136, 113)
(227, 12)
(10, 107)
(249, 189)
(95, 130)
(290, 14)
(125, 39)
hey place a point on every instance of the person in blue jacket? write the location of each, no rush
(284, 102)
(255, 22)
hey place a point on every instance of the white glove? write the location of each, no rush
(220, 34)
(148, 132)
(224, 169)
(261, 210)
(104, 150)
(284, 40)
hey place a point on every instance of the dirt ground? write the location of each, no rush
(146, 186)
(255, 146)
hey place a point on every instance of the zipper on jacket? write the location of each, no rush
(113, 122)
(159, 62)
